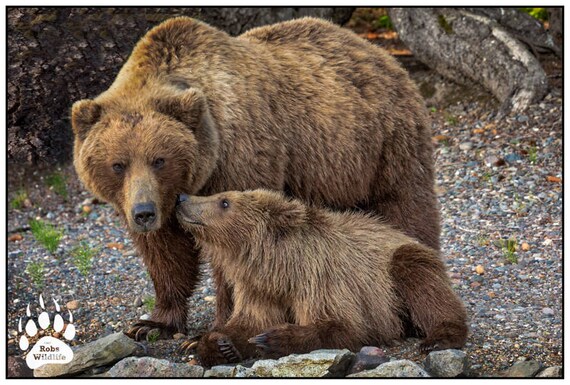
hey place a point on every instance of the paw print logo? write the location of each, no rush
(50, 348)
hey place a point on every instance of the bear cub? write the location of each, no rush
(306, 278)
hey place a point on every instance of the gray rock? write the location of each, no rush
(319, 363)
(17, 368)
(399, 368)
(522, 369)
(552, 372)
(466, 146)
(153, 367)
(137, 302)
(368, 358)
(224, 371)
(446, 363)
(101, 352)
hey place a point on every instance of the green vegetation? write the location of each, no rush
(518, 206)
(482, 240)
(433, 109)
(149, 303)
(451, 119)
(444, 24)
(538, 13)
(56, 182)
(83, 257)
(153, 335)
(509, 248)
(532, 154)
(486, 176)
(384, 21)
(36, 272)
(18, 201)
(47, 235)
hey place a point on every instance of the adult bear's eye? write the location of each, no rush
(118, 167)
(158, 163)
(224, 203)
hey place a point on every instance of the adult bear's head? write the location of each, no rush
(139, 152)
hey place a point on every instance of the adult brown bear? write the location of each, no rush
(303, 106)
(306, 278)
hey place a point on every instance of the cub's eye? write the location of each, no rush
(118, 167)
(224, 203)
(158, 163)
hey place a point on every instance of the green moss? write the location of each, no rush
(538, 13)
(444, 24)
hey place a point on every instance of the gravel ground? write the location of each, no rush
(496, 179)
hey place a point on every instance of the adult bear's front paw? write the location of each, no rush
(151, 331)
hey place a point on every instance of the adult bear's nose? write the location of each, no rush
(181, 198)
(144, 213)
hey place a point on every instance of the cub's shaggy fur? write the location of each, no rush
(307, 278)
(304, 107)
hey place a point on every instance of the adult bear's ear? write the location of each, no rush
(84, 114)
(188, 106)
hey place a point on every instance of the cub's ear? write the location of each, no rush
(84, 114)
(189, 106)
(286, 214)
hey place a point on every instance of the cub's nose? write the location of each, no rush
(144, 213)
(181, 198)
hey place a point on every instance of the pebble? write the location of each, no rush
(548, 312)
(137, 302)
(466, 146)
(145, 317)
(210, 298)
(479, 269)
(72, 305)
(50, 215)
(15, 238)
(179, 336)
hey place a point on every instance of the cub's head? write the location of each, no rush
(138, 153)
(237, 219)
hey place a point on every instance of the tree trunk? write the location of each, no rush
(59, 55)
(461, 45)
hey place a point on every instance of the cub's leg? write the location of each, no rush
(422, 284)
(285, 339)
(224, 302)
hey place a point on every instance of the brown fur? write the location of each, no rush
(310, 278)
(343, 127)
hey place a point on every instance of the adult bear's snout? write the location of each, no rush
(144, 214)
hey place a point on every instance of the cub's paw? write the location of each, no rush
(217, 348)
(150, 331)
(275, 342)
